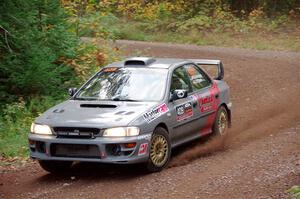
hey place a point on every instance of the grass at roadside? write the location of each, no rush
(294, 191)
(15, 124)
(285, 41)
(230, 31)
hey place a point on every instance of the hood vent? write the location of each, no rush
(98, 106)
(139, 61)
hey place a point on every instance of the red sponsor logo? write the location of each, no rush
(205, 108)
(206, 100)
(162, 108)
(211, 104)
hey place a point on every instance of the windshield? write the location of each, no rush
(125, 84)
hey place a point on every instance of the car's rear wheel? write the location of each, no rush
(159, 151)
(56, 167)
(220, 126)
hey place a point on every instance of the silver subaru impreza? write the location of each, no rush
(134, 111)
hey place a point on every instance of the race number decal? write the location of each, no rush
(143, 149)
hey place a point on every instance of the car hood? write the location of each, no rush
(100, 114)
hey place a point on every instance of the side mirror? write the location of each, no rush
(72, 91)
(220, 75)
(179, 94)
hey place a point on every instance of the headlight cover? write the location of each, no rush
(40, 129)
(121, 132)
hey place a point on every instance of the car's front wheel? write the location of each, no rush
(56, 167)
(220, 126)
(159, 151)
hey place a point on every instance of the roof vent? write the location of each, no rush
(139, 61)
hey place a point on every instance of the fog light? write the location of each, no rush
(116, 150)
(31, 142)
(130, 145)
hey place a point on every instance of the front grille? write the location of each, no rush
(75, 150)
(76, 132)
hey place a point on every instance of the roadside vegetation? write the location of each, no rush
(273, 25)
(295, 192)
(42, 54)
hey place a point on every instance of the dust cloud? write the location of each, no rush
(268, 123)
(214, 144)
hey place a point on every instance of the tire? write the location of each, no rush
(56, 167)
(221, 123)
(159, 150)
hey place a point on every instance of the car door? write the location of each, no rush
(205, 93)
(182, 110)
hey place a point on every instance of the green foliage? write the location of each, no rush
(40, 57)
(15, 124)
(205, 22)
(163, 13)
(98, 25)
(295, 192)
(33, 37)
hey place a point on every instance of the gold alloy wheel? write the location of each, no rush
(159, 150)
(222, 123)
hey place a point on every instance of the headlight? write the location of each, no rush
(40, 129)
(121, 132)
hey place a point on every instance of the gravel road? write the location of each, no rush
(260, 158)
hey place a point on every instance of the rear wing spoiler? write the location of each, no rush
(217, 63)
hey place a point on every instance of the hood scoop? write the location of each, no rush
(98, 106)
(139, 61)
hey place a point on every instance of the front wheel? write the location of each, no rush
(56, 167)
(160, 150)
(220, 126)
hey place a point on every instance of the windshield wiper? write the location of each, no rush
(117, 98)
(84, 98)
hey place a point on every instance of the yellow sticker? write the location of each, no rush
(110, 69)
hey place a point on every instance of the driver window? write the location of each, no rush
(197, 79)
(180, 80)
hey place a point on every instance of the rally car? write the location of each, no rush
(133, 111)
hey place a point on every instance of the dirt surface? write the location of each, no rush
(260, 158)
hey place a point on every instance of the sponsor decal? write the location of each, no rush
(206, 100)
(205, 108)
(156, 112)
(192, 98)
(210, 103)
(184, 111)
(205, 103)
(144, 137)
(143, 149)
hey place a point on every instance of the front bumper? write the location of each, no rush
(99, 149)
